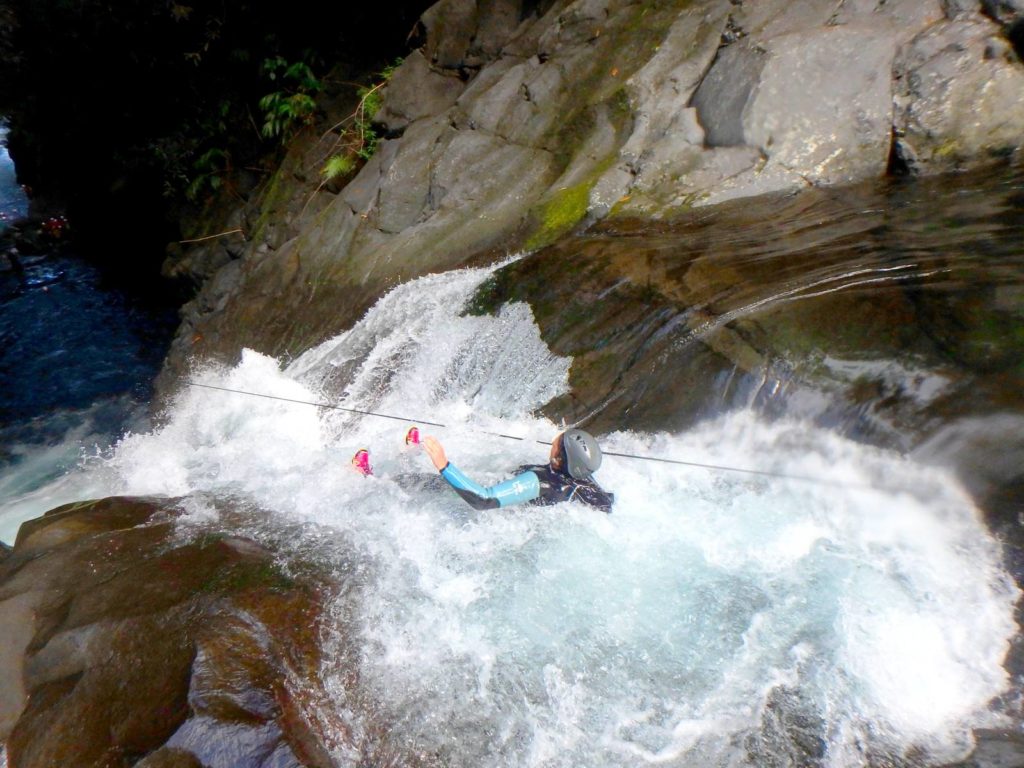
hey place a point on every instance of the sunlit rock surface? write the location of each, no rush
(124, 638)
(515, 122)
(879, 320)
(958, 95)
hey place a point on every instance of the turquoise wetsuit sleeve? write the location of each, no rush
(524, 487)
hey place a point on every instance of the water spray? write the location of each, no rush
(659, 459)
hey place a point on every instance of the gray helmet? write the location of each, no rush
(582, 453)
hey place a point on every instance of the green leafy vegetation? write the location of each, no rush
(370, 103)
(210, 169)
(337, 166)
(363, 137)
(292, 105)
(357, 137)
(166, 97)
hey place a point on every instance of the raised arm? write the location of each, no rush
(523, 487)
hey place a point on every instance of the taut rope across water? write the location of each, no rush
(660, 459)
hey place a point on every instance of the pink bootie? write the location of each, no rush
(361, 461)
(412, 437)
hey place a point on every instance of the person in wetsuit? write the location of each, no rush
(568, 476)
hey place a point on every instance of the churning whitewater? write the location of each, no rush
(712, 619)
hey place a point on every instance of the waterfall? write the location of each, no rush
(13, 202)
(712, 619)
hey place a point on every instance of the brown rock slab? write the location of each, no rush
(122, 641)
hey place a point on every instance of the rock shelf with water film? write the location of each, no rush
(711, 619)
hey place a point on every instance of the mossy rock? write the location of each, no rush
(562, 211)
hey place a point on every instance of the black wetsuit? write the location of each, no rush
(536, 484)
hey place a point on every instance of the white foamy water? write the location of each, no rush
(712, 619)
(13, 202)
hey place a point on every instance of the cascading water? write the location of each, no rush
(712, 619)
(13, 202)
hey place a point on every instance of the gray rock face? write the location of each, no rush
(954, 8)
(959, 96)
(726, 92)
(469, 33)
(1007, 12)
(417, 91)
(520, 120)
(798, 94)
(826, 122)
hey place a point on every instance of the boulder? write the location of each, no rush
(123, 640)
(1009, 13)
(959, 96)
(415, 91)
(816, 103)
(704, 291)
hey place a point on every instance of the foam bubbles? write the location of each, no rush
(712, 619)
(706, 607)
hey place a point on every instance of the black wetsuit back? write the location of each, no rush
(556, 487)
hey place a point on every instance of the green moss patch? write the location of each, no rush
(563, 211)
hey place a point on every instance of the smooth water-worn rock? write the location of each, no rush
(861, 309)
(123, 639)
(515, 122)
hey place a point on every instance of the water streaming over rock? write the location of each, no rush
(13, 202)
(713, 619)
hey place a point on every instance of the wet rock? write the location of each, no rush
(995, 749)
(655, 309)
(958, 96)
(988, 450)
(520, 122)
(16, 628)
(417, 91)
(122, 639)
